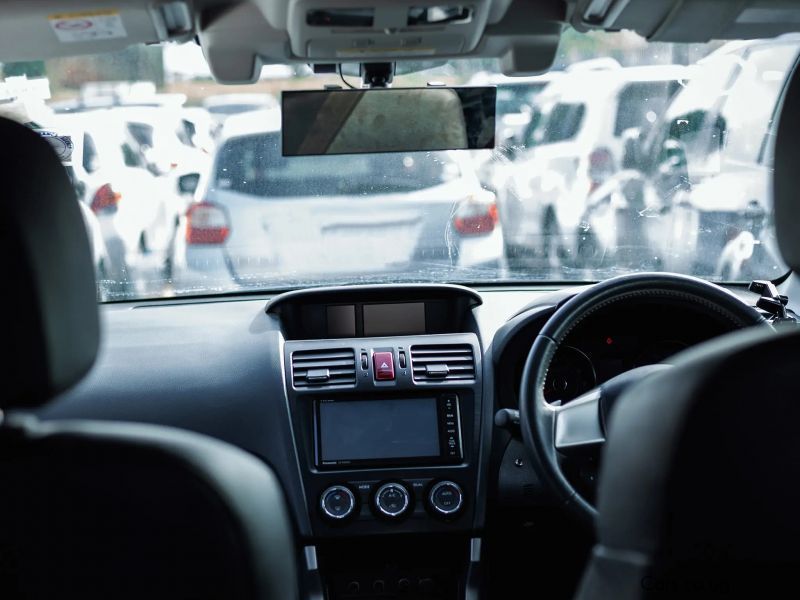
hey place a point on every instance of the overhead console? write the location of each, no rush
(316, 28)
(240, 38)
(384, 386)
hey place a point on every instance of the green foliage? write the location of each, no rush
(33, 68)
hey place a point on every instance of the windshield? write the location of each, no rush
(628, 156)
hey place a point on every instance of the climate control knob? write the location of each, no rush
(392, 500)
(337, 502)
(445, 498)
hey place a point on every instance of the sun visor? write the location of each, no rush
(52, 28)
(689, 20)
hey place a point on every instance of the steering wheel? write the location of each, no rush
(551, 431)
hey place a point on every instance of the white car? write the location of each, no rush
(260, 215)
(667, 210)
(171, 149)
(515, 100)
(135, 209)
(100, 256)
(577, 147)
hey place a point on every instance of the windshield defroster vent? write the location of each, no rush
(443, 362)
(323, 368)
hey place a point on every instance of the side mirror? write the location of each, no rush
(187, 184)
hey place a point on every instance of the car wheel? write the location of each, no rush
(550, 235)
(587, 252)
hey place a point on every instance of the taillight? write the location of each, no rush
(601, 167)
(206, 223)
(475, 217)
(104, 198)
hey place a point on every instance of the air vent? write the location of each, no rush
(443, 362)
(323, 368)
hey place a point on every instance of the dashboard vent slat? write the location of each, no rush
(323, 368)
(443, 363)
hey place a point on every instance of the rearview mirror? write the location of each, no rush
(388, 120)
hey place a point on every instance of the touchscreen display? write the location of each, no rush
(378, 429)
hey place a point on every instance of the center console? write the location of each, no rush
(387, 432)
(385, 397)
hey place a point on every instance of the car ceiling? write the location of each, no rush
(238, 37)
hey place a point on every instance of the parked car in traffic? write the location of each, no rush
(136, 210)
(260, 213)
(575, 149)
(515, 100)
(171, 145)
(693, 172)
(64, 146)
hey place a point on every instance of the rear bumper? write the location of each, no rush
(481, 250)
(200, 269)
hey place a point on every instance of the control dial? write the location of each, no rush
(446, 498)
(392, 500)
(337, 502)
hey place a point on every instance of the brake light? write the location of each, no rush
(475, 218)
(206, 223)
(105, 198)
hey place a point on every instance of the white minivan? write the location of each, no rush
(576, 148)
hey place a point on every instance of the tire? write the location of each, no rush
(550, 235)
(587, 252)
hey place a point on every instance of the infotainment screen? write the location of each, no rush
(378, 430)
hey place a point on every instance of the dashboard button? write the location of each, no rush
(446, 498)
(337, 502)
(384, 366)
(392, 500)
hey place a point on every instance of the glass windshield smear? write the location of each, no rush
(627, 156)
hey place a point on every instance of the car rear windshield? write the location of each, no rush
(643, 102)
(254, 165)
(232, 109)
(563, 123)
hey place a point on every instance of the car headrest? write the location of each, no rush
(785, 178)
(48, 303)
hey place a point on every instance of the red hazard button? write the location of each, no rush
(384, 365)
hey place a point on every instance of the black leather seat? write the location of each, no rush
(697, 493)
(100, 509)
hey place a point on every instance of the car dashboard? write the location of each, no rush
(374, 405)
